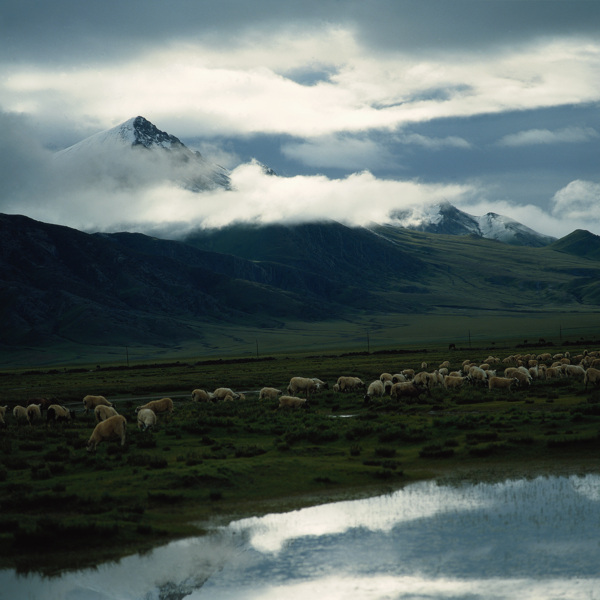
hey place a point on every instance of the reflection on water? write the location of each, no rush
(522, 539)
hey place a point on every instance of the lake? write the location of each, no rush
(526, 538)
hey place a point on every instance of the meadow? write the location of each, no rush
(64, 508)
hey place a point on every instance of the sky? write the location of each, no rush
(361, 107)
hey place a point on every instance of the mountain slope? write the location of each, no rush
(579, 243)
(447, 219)
(137, 149)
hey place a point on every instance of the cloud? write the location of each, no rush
(579, 200)
(434, 143)
(531, 137)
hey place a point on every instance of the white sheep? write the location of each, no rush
(199, 395)
(3, 410)
(34, 413)
(454, 382)
(592, 376)
(20, 413)
(58, 413)
(376, 389)
(302, 384)
(146, 419)
(350, 384)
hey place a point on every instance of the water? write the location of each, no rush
(526, 539)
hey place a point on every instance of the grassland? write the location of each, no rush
(64, 508)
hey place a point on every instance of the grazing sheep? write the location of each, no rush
(34, 413)
(201, 396)
(20, 413)
(158, 406)
(321, 385)
(504, 383)
(350, 384)
(592, 376)
(574, 371)
(59, 414)
(477, 375)
(113, 427)
(385, 377)
(223, 394)
(553, 373)
(376, 389)
(269, 393)
(301, 384)
(2, 413)
(421, 378)
(408, 373)
(91, 402)
(407, 389)
(453, 382)
(43, 403)
(292, 402)
(146, 419)
(103, 412)
(444, 365)
(397, 377)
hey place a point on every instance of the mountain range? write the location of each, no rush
(70, 294)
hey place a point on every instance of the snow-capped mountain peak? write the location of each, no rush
(170, 157)
(447, 219)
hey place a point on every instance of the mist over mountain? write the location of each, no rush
(135, 147)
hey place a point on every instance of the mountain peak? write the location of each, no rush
(142, 132)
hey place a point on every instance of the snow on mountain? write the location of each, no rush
(157, 155)
(447, 219)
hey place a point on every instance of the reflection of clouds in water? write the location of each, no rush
(421, 500)
(517, 539)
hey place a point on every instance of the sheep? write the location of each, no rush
(92, 401)
(59, 413)
(43, 403)
(477, 376)
(407, 389)
(421, 378)
(292, 402)
(592, 376)
(376, 389)
(301, 384)
(350, 384)
(103, 412)
(444, 365)
(397, 377)
(385, 377)
(146, 419)
(34, 413)
(3, 410)
(502, 383)
(453, 382)
(201, 396)
(113, 427)
(553, 373)
(320, 384)
(408, 373)
(574, 371)
(269, 393)
(158, 406)
(20, 413)
(220, 394)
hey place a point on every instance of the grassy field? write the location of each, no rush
(64, 508)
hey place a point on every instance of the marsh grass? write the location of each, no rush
(241, 457)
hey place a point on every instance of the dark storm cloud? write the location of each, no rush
(98, 31)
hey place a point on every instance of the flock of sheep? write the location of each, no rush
(517, 370)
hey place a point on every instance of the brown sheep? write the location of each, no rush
(592, 376)
(269, 393)
(91, 402)
(158, 406)
(292, 402)
(103, 412)
(407, 389)
(113, 427)
(502, 383)
(58, 413)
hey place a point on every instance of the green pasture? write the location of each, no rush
(64, 508)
